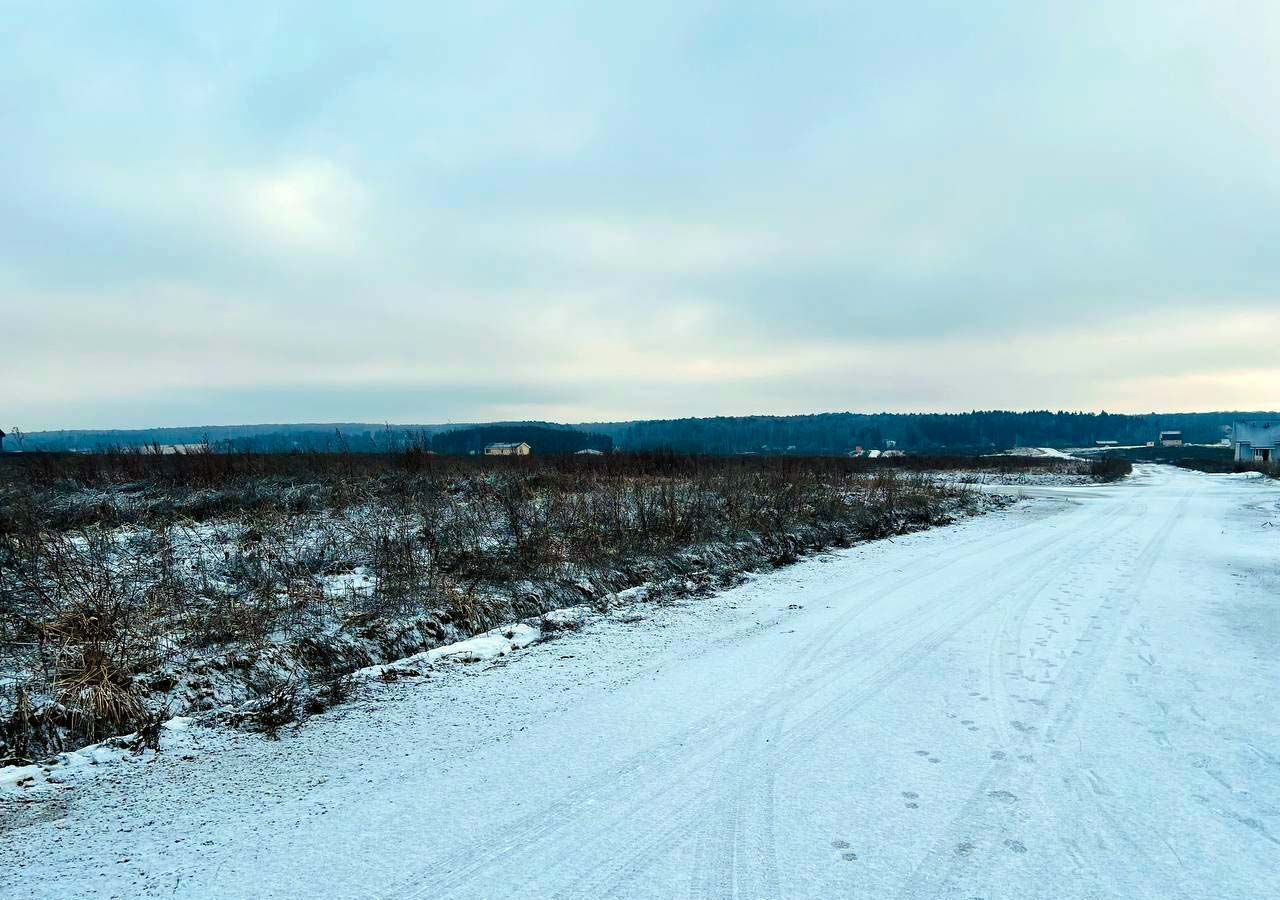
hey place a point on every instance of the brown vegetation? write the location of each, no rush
(132, 582)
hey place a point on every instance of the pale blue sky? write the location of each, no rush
(419, 212)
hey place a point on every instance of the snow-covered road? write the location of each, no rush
(1076, 697)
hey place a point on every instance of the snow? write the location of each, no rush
(25, 783)
(1071, 698)
(481, 648)
(357, 582)
(1038, 452)
(572, 618)
(981, 478)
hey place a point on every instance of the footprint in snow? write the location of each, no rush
(1016, 846)
(840, 845)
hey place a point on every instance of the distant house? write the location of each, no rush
(588, 452)
(1256, 441)
(1106, 443)
(1171, 439)
(512, 449)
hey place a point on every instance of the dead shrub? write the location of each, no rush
(279, 705)
(445, 547)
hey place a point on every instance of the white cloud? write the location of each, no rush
(311, 205)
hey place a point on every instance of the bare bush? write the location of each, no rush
(84, 603)
(129, 582)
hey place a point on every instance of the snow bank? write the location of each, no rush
(40, 780)
(569, 619)
(34, 781)
(481, 648)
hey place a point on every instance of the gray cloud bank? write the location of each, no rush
(489, 212)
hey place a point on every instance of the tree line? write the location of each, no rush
(824, 434)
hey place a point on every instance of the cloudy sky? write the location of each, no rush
(267, 212)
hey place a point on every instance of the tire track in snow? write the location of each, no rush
(940, 866)
(544, 828)
(670, 831)
(453, 871)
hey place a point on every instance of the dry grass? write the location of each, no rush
(91, 610)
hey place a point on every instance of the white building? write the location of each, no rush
(1171, 439)
(588, 452)
(1255, 441)
(514, 449)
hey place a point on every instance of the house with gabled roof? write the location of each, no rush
(518, 448)
(1256, 441)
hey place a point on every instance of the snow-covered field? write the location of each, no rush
(1039, 452)
(979, 478)
(1075, 697)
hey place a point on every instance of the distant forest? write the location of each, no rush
(834, 433)
(544, 437)
(821, 434)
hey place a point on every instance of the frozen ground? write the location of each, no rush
(989, 478)
(1044, 452)
(1072, 698)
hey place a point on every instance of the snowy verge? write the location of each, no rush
(694, 571)
(42, 780)
(177, 735)
(483, 647)
(978, 478)
(493, 644)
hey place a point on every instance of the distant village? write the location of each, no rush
(1247, 440)
(522, 449)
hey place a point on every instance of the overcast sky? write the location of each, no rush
(260, 212)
